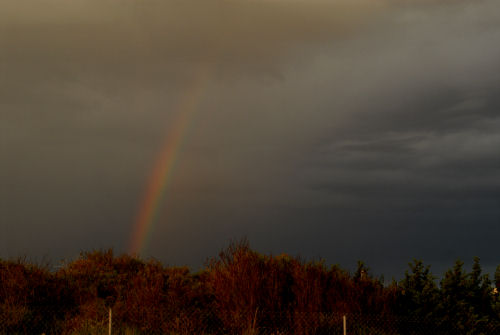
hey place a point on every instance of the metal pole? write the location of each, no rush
(345, 325)
(109, 326)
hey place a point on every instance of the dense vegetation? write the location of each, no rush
(238, 290)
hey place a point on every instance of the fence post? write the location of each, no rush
(109, 325)
(344, 322)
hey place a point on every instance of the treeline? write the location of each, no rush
(237, 290)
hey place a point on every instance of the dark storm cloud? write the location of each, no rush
(348, 129)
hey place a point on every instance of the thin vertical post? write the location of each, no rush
(344, 322)
(109, 326)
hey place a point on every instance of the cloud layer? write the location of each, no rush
(347, 130)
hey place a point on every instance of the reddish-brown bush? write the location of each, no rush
(238, 291)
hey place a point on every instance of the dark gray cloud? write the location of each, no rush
(345, 130)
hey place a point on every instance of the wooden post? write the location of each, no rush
(345, 324)
(109, 326)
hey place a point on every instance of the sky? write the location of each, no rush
(343, 130)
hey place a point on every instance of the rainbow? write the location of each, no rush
(162, 172)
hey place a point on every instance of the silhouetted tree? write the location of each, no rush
(418, 291)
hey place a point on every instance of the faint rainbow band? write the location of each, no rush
(162, 173)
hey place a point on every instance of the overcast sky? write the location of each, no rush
(337, 129)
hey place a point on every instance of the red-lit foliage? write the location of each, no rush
(239, 291)
(249, 287)
(143, 295)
